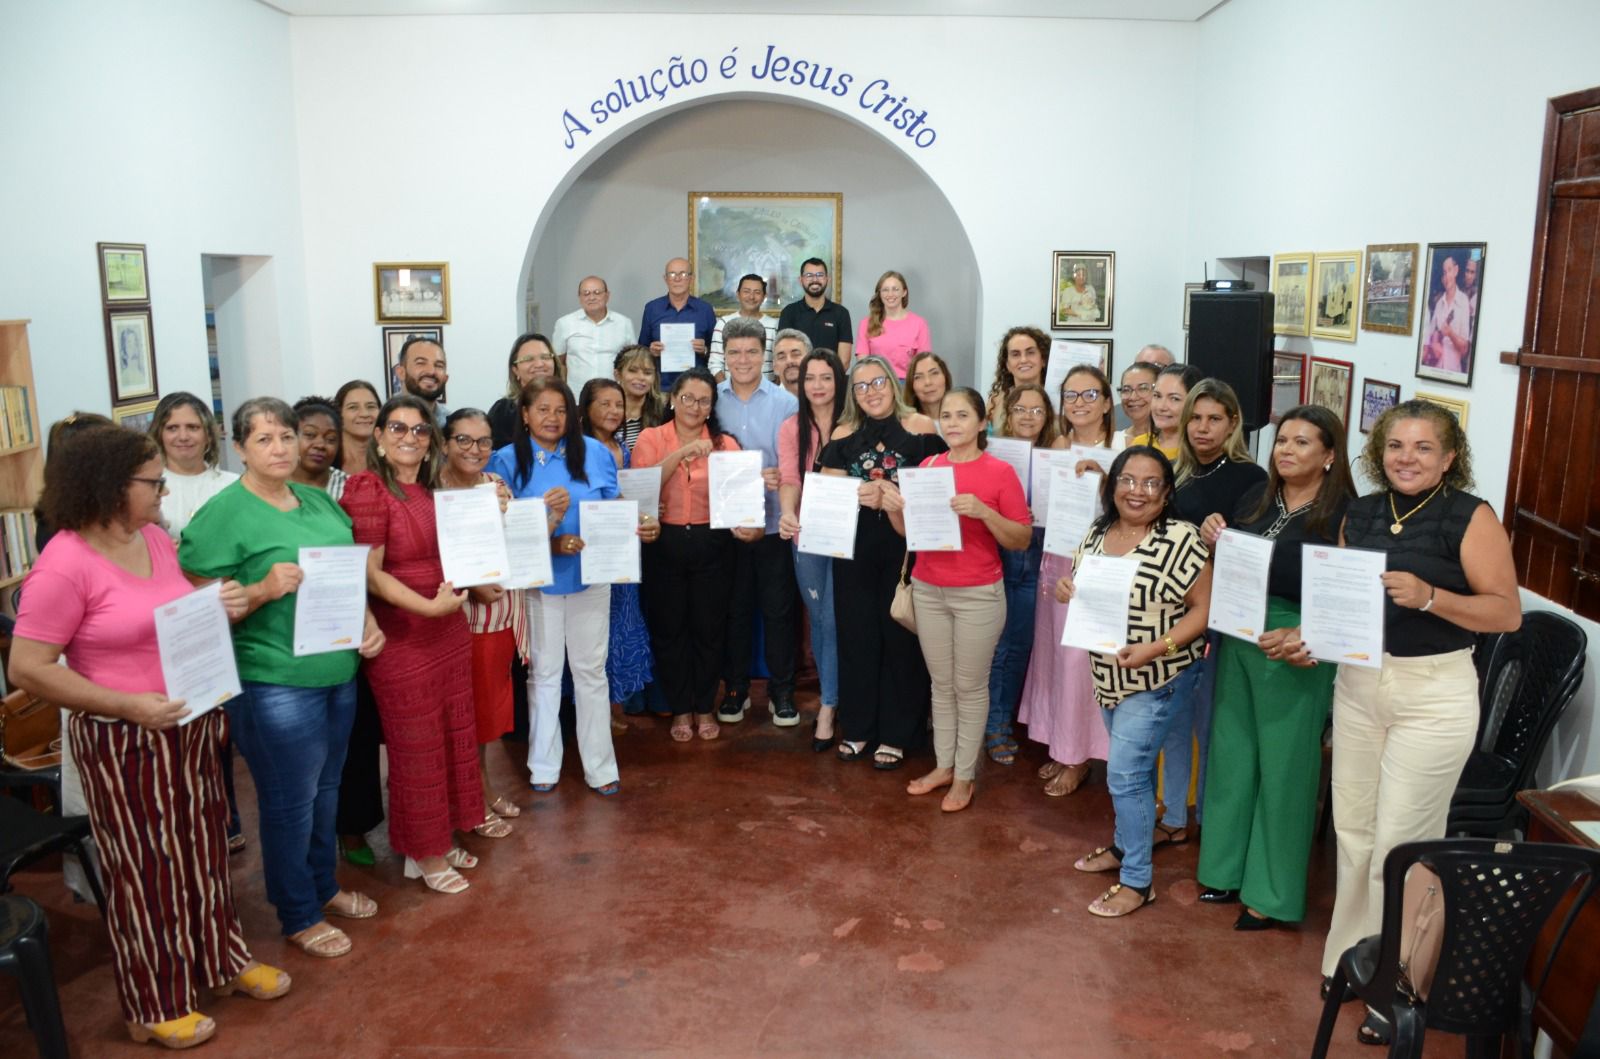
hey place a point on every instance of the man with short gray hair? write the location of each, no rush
(587, 339)
(1156, 354)
(790, 347)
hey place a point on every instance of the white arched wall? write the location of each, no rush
(623, 211)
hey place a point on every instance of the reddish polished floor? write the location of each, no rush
(746, 897)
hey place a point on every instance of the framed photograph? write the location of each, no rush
(1456, 406)
(1376, 398)
(1391, 301)
(1102, 344)
(1188, 292)
(1448, 337)
(1288, 382)
(123, 276)
(130, 355)
(765, 233)
(394, 340)
(1337, 281)
(135, 416)
(405, 291)
(1291, 291)
(1328, 384)
(1081, 292)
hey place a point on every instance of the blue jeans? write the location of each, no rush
(1191, 723)
(1021, 574)
(1138, 726)
(814, 574)
(294, 740)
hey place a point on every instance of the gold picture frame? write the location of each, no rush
(767, 234)
(1291, 294)
(1389, 304)
(1456, 406)
(1336, 281)
(135, 416)
(407, 292)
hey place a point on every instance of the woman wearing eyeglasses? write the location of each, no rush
(883, 682)
(423, 679)
(1058, 704)
(499, 630)
(1024, 355)
(1137, 686)
(1138, 391)
(688, 571)
(532, 356)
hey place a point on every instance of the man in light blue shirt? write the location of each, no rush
(751, 407)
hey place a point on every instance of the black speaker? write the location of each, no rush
(1230, 337)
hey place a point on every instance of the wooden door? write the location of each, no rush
(1553, 499)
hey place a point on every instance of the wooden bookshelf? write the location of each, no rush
(21, 466)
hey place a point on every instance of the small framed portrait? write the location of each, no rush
(1456, 406)
(135, 416)
(406, 291)
(1288, 382)
(1291, 294)
(123, 275)
(1377, 397)
(1188, 293)
(130, 355)
(1328, 384)
(1391, 298)
(1448, 337)
(1337, 282)
(1083, 284)
(394, 340)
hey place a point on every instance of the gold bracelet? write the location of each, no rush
(1172, 647)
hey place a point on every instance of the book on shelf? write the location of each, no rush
(16, 424)
(17, 544)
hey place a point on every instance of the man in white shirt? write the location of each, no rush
(752, 293)
(587, 341)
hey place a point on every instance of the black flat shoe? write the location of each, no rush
(1219, 897)
(1327, 985)
(1374, 1030)
(1246, 921)
(820, 746)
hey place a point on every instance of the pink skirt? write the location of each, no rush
(1058, 703)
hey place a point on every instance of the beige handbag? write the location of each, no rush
(1422, 925)
(901, 608)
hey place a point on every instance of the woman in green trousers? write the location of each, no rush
(1268, 718)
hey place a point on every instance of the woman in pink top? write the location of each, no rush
(154, 789)
(960, 597)
(891, 330)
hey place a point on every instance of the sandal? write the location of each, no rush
(492, 827)
(888, 758)
(194, 1028)
(361, 856)
(1069, 779)
(958, 798)
(706, 726)
(608, 789)
(850, 751)
(257, 980)
(1105, 858)
(1169, 836)
(443, 881)
(323, 940)
(682, 731)
(1103, 907)
(351, 905)
(1002, 751)
(1374, 1029)
(1050, 769)
(460, 858)
(544, 788)
(236, 842)
(505, 807)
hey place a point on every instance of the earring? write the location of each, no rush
(381, 453)
(1326, 467)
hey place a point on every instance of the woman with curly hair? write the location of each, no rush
(1024, 355)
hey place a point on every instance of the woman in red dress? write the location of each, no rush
(423, 679)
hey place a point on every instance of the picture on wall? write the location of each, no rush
(404, 291)
(1338, 286)
(1391, 301)
(1456, 406)
(1291, 291)
(1377, 397)
(1328, 384)
(123, 275)
(1288, 382)
(1082, 288)
(135, 416)
(1188, 295)
(394, 339)
(130, 354)
(767, 234)
(1448, 337)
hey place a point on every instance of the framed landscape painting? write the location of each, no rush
(1337, 281)
(1391, 297)
(762, 233)
(1082, 286)
(1291, 294)
(1447, 341)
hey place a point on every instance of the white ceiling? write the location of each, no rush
(1146, 10)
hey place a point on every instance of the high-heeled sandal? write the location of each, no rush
(460, 858)
(257, 980)
(194, 1028)
(505, 807)
(492, 827)
(443, 881)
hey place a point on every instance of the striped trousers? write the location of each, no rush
(159, 815)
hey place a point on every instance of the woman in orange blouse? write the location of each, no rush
(688, 572)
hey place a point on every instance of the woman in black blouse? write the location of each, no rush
(1266, 732)
(883, 682)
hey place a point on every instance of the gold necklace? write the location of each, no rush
(1396, 526)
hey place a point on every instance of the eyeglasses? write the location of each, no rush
(1149, 485)
(1089, 396)
(1021, 412)
(399, 430)
(590, 293)
(160, 484)
(1146, 388)
(465, 442)
(813, 275)
(679, 274)
(871, 384)
(692, 402)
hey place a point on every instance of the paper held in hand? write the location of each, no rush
(1239, 584)
(677, 347)
(1341, 604)
(610, 532)
(1017, 453)
(1064, 356)
(196, 645)
(1097, 617)
(1074, 505)
(738, 493)
(1045, 461)
(829, 507)
(528, 544)
(931, 524)
(330, 606)
(472, 540)
(642, 485)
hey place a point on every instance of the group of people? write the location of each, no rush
(140, 519)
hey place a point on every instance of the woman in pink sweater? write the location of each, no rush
(891, 330)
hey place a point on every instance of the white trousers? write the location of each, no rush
(1401, 735)
(574, 629)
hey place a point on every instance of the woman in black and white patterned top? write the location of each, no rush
(1141, 684)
